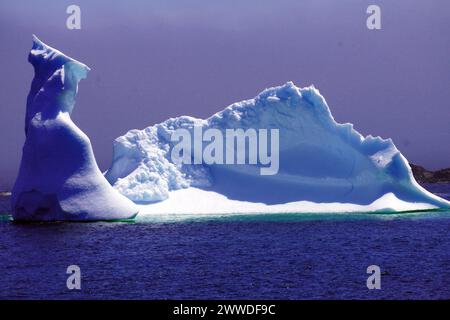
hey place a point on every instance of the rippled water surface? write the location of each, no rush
(243, 257)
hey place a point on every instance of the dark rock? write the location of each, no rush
(423, 175)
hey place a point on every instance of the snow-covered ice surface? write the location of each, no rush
(198, 201)
(324, 166)
(59, 178)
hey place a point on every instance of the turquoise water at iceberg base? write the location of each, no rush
(288, 256)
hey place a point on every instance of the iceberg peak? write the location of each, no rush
(54, 73)
(42, 53)
(59, 178)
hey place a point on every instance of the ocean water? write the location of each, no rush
(289, 256)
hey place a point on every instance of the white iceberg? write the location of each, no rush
(324, 166)
(59, 178)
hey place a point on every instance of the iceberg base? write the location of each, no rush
(204, 202)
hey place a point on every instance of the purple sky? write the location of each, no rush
(156, 59)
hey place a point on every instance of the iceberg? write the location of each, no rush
(59, 179)
(323, 166)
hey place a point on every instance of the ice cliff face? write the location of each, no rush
(59, 178)
(320, 161)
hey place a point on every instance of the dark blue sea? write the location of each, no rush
(287, 256)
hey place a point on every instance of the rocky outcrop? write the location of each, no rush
(423, 175)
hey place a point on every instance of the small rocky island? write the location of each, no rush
(423, 175)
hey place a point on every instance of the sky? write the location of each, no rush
(155, 59)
